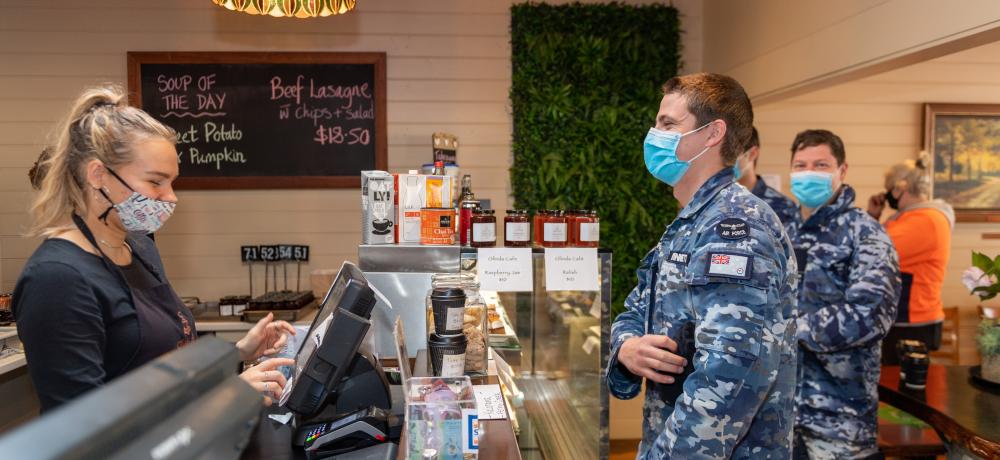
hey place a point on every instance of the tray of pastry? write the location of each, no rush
(502, 333)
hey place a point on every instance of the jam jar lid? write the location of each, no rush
(484, 212)
(517, 212)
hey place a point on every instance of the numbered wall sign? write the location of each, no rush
(300, 253)
(250, 253)
(285, 252)
(269, 253)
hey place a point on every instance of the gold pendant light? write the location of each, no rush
(289, 8)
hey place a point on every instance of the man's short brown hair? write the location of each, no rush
(713, 97)
(754, 140)
(814, 137)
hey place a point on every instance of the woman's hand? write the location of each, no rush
(266, 379)
(876, 204)
(267, 337)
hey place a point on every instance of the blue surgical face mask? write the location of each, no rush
(660, 153)
(812, 188)
(737, 172)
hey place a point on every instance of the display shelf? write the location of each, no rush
(7, 332)
(562, 337)
(11, 362)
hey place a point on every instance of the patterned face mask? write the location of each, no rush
(138, 213)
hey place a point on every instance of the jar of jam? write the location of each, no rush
(571, 235)
(540, 216)
(555, 230)
(484, 228)
(516, 229)
(586, 229)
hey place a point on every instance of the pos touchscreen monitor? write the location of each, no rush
(331, 346)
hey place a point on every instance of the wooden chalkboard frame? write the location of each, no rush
(137, 58)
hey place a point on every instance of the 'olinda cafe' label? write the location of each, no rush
(571, 269)
(505, 269)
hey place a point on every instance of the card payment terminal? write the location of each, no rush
(358, 429)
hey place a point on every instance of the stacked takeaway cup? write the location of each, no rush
(447, 343)
(913, 363)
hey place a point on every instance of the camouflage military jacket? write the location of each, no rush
(847, 302)
(721, 283)
(786, 209)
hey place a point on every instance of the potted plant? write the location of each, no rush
(989, 348)
(982, 280)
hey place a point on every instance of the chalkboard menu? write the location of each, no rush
(267, 120)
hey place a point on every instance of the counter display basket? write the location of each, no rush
(440, 419)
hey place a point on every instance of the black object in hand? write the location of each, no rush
(669, 392)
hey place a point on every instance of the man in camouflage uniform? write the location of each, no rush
(746, 174)
(847, 302)
(715, 303)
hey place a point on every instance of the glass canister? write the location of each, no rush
(474, 322)
(586, 229)
(555, 230)
(484, 228)
(516, 229)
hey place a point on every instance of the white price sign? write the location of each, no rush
(571, 269)
(505, 269)
(489, 402)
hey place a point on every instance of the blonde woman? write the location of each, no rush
(921, 231)
(92, 302)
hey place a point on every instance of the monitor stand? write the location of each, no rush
(365, 386)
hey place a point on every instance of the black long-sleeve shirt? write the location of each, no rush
(76, 317)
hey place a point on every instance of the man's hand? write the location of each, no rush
(644, 356)
(876, 204)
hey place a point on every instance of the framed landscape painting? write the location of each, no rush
(964, 142)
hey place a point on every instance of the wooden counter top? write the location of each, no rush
(964, 412)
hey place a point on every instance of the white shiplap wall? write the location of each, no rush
(448, 70)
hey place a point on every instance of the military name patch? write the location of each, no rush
(679, 258)
(733, 229)
(729, 265)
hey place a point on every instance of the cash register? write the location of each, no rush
(338, 391)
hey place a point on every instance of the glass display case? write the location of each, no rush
(555, 343)
(559, 355)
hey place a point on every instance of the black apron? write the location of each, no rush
(165, 323)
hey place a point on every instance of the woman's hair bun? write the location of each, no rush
(923, 160)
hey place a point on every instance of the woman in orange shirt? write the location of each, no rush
(921, 231)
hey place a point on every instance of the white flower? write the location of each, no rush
(973, 277)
